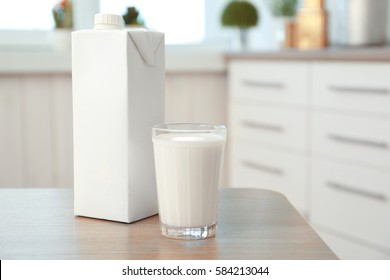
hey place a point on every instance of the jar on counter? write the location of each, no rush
(358, 22)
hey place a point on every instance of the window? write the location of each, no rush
(27, 25)
(182, 22)
(26, 15)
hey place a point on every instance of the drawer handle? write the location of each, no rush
(363, 142)
(368, 90)
(262, 167)
(263, 126)
(353, 190)
(263, 84)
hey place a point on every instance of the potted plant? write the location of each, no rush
(284, 12)
(240, 14)
(132, 17)
(63, 14)
(283, 8)
(63, 19)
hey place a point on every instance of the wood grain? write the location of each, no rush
(253, 224)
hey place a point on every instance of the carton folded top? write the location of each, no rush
(147, 43)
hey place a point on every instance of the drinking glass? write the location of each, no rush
(188, 161)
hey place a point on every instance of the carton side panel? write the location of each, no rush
(99, 73)
(146, 108)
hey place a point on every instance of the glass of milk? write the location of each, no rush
(188, 160)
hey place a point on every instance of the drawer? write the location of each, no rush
(346, 249)
(281, 82)
(351, 200)
(258, 167)
(354, 86)
(357, 138)
(254, 123)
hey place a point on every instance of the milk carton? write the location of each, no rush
(118, 95)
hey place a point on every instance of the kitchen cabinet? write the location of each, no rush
(319, 132)
(268, 119)
(36, 130)
(350, 152)
(36, 142)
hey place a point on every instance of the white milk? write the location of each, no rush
(188, 168)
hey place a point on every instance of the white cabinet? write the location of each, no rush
(36, 145)
(353, 137)
(350, 168)
(268, 128)
(271, 125)
(277, 82)
(319, 132)
(36, 130)
(351, 200)
(358, 86)
(256, 166)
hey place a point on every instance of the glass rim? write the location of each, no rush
(186, 127)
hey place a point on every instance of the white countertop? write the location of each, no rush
(185, 58)
(178, 59)
(368, 53)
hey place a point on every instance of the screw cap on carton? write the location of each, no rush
(108, 21)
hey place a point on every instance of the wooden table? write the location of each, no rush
(252, 224)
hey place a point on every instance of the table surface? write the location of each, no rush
(252, 224)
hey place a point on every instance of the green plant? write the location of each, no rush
(132, 17)
(242, 14)
(63, 14)
(283, 7)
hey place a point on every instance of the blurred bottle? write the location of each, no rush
(312, 25)
(359, 22)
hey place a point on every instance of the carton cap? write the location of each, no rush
(108, 21)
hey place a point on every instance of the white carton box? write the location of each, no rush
(118, 95)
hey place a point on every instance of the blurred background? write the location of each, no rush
(303, 86)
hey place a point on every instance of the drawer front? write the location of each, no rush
(362, 139)
(346, 249)
(254, 123)
(362, 87)
(257, 167)
(280, 82)
(351, 200)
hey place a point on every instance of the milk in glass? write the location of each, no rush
(188, 167)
